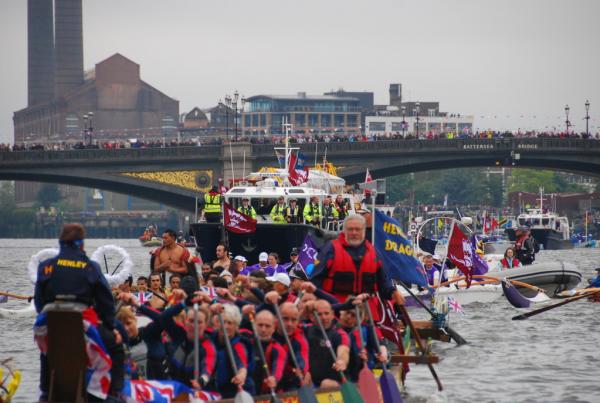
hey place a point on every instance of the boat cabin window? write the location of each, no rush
(545, 221)
(263, 205)
(535, 221)
(522, 221)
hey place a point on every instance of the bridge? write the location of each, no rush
(175, 176)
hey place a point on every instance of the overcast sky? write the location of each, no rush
(511, 64)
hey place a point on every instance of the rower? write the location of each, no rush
(294, 263)
(291, 319)
(275, 355)
(325, 372)
(595, 282)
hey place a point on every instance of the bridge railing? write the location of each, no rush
(109, 155)
(266, 150)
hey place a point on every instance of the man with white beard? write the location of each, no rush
(349, 265)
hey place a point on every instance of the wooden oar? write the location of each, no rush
(549, 307)
(196, 345)
(242, 396)
(367, 384)
(306, 394)
(17, 296)
(117, 268)
(451, 332)
(419, 343)
(261, 353)
(389, 387)
(348, 389)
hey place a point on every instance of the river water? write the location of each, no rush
(552, 357)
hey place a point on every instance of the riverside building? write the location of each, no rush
(308, 114)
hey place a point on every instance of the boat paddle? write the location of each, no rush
(16, 296)
(263, 359)
(419, 343)
(242, 396)
(349, 391)
(306, 393)
(451, 332)
(387, 383)
(196, 345)
(549, 307)
(367, 384)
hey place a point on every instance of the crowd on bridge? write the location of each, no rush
(294, 138)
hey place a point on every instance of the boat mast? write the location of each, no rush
(286, 126)
(541, 200)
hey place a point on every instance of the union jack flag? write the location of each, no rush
(97, 374)
(454, 305)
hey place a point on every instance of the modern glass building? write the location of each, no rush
(312, 114)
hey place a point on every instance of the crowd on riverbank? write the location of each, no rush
(279, 139)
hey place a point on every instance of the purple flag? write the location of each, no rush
(308, 254)
(480, 267)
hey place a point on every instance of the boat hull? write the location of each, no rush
(280, 238)
(464, 296)
(553, 277)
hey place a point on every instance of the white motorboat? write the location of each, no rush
(554, 277)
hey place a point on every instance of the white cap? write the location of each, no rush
(263, 257)
(240, 258)
(280, 278)
(225, 273)
(436, 257)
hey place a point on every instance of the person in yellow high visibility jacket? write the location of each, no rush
(278, 211)
(246, 208)
(312, 211)
(212, 205)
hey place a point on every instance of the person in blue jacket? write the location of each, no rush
(71, 274)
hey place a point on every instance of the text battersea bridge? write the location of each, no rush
(177, 175)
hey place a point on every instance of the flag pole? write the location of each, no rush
(443, 268)
(374, 194)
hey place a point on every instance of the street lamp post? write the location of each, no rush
(587, 118)
(91, 126)
(227, 106)
(403, 108)
(417, 110)
(237, 111)
(567, 122)
(85, 128)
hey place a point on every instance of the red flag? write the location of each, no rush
(368, 177)
(296, 176)
(385, 319)
(238, 222)
(494, 223)
(459, 252)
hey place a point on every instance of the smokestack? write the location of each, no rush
(68, 34)
(396, 94)
(40, 51)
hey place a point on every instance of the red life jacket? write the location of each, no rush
(343, 278)
(515, 263)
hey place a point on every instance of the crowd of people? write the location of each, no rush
(295, 139)
(294, 317)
